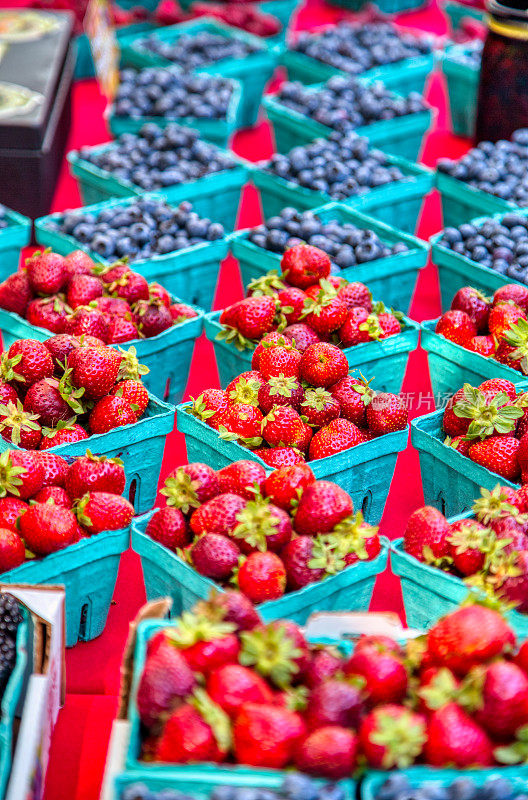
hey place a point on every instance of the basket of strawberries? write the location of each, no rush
(65, 521)
(74, 295)
(292, 544)
(308, 305)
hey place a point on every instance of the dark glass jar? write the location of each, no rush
(503, 90)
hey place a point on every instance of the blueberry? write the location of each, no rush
(331, 792)
(138, 791)
(496, 789)
(223, 793)
(395, 785)
(298, 787)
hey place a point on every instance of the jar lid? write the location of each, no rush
(514, 10)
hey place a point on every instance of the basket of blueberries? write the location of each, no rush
(376, 51)
(491, 177)
(344, 168)
(485, 254)
(168, 243)
(426, 783)
(208, 46)
(360, 248)
(461, 67)
(173, 160)
(394, 123)
(384, 6)
(15, 232)
(208, 103)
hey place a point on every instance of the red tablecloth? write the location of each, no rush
(79, 746)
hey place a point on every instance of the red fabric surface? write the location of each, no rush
(79, 746)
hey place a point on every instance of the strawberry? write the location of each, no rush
(386, 413)
(426, 535)
(356, 329)
(210, 407)
(266, 736)
(112, 306)
(312, 753)
(197, 731)
(279, 456)
(191, 485)
(48, 312)
(469, 541)
(111, 412)
(293, 299)
(285, 484)
(12, 550)
(158, 292)
(215, 556)
(389, 324)
(484, 345)
(16, 293)
(457, 326)
(232, 685)
(299, 557)
(512, 292)
(60, 347)
(94, 369)
(279, 361)
(242, 422)
(254, 317)
(131, 286)
(273, 339)
(454, 739)
(392, 736)
(384, 674)
(121, 329)
(319, 407)
(503, 706)
(353, 396)
(82, 289)
(134, 392)
(452, 424)
(280, 391)
(498, 454)
(304, 265)
(47, 528)
(244, 478)
(217, 515)
(283, 427)
(325, 664)
(325, 314)
(469, 636)
(495, 386)
(262, 577)
(114, 272)
(78, 263)
(91, 473)
(46, 272)
(181, 312)
(64, 433)
(21, 474)
(27, 362)
(323, 364)
(245, 388)
(514, 587)
(356, 294)
(18, 427)
(502, 317)
(55, 494)
(11, 509)
(169, 527)
(335, 702)
(321, 507)
(103, 511)
(205, 645)
(231, 606)
(301, 336)
(7, 394)
(475, 304)
(165, 681)
(262, 526)
(152, 318)
(47, 400)
(385, 642)
(278, 651)
(88, 321)
(459, 443)
(522, 657)
(338, 435)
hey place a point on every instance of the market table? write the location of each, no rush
(79, 746)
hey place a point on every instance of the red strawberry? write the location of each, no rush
(78, 263)
(304, 265)
(297, 556)
(504, 700)
(454, 739)
(522, 657)
(231, 606)
(210, 407)
(294, 299)
(191, 485)
(91, 473)
(262, 577)
(232, 685)
(11, 509)
(64, 433)
(242, 422)
(452, 424)
(266, 735)
(245, 388)
(56, 494)
(103, 511)
(152, 318)
(94, 369)
(484, 345)
(21, 474)
(278, 651)
(475, 304)
(121, 329)
(47, 400)
(389, 324)
(242, 478)
(515, 587)
(131, 286)
(82, 289)
(192, 734)
(325, 314)
(280, 391)
(502, 316)
(279, 361)
(273, 339)
(283, 427)
(312, 754)
(7, 394)
(18, 427)
(321, 507)
(15, 293)
(47, 528)
(48, 312)
(254, 316)
(134, 392)
(215, 556)
(456, 326)
(386, 413)
(262, 526)
(512, 292)
(285, 484)
(181, 312)
(60, 347)
(355, 329)
(353, 396)
(46, 272)
(325, 664)
(301, 336)
(158, 292)
(338, 435)
(494, 386)
(335, 702)
(392, 736)
(385, 642)
(88, 321)
(111, 412)
(205, 644)
(319, 407)
(469, 541)
(323, 364)
(384, 673)
(426, 534)
(12, 550)
(112, 306)
(498, 454)
(218, 515)
(169, 527)
(165, 681)
(27, 362)
(356, 294)
(459, 443)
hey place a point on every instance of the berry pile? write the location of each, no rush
(241, 15)
(138, 230)
(341, 166)
(10, 619)
(496, 328)
(355, 49)
(159, 157)
(266, 534)
(67, 388)
(307, 305)
(500, 244)
(346, 244)
(169, 92)
(47, 503)
(499, 168)
(195, 50)
(398, 787)
(294, 787)
(74, 295)
(488, 425)
(219, 685)
(343, 103)
(489, 551)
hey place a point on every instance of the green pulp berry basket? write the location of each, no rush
(217, 131)
(364, 471)
(401, 136)
(429, 593)
(88, 572)
(462, 80)
(12, 238)
(84, 65)
(458, 11)
(385, 360)
(451, 365)
(419, 775)
(405, 76)
(191, 273)
(13, 693)
(168, 355)
(397, 204)
(450, 480)
(139, 446)
(165, 574)
(97, 185)
(252, 72)
(462, 202)
(392, 278)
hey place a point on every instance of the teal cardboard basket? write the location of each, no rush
(405, 76)
(420, 774)
(12, 697)
(383, 6)
(429, 593)
(392, 278)
(16, 235)
(168, 355)
(462, 202)
(165, 574)
(462, 80)
(458, 11)
(401, 136)
(84, 65)
(451, 365)
(283, 10)
(88, 572)
(252, 72)
(397, 204)
(450, 480)
(191, 273)
(97, 185)
(364, 471)
(385, 360)
(217, 131)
